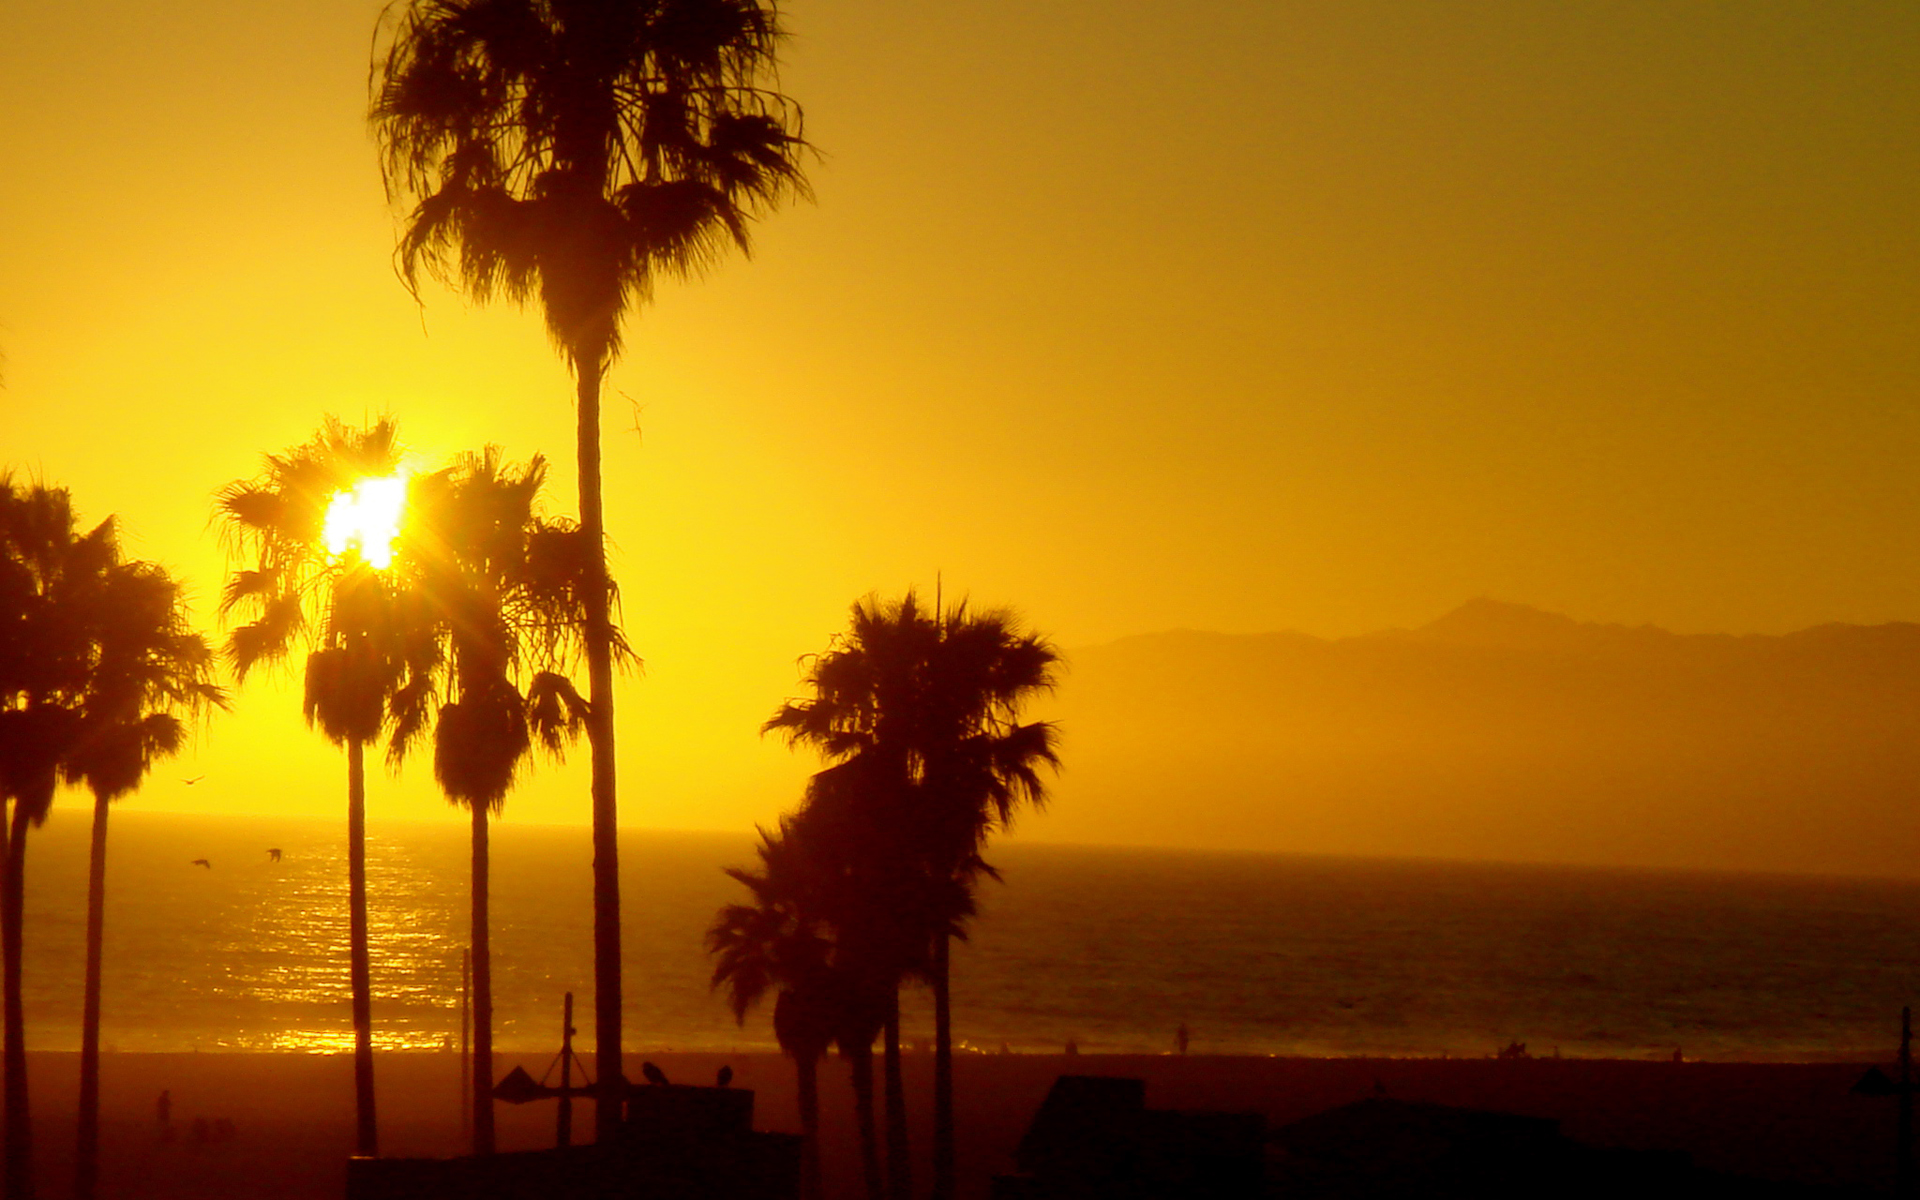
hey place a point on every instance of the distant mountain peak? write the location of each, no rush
(1483, 621)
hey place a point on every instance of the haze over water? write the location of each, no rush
(1112, 948)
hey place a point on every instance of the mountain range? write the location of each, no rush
(1501, 731)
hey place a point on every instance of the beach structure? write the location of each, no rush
(1381, 1148)
(1095, 1136)
(676, 1142)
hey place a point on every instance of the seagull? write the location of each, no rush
(654, 1074)
(201, 862)
(726, 1076)
(274, 854)
(194, 780)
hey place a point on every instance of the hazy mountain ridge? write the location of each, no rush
(1500, 730)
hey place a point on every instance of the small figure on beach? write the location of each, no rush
(724, 1078)
(654, 1074)
(1181, 1038)
(1677, 1057)
(273, 853)
(163, 1112)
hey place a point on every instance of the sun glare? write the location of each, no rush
(366, 518)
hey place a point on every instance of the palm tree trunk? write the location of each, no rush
(860, 1068)
(359, 971)
(807, 1068)
(899, 1171)
(482, 993)
(943, 1182)
(19, 1136)
(86, 1167)
(606, 848)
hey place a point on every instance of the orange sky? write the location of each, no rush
(1240, 316)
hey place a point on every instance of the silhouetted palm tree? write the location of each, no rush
(50, 577)
(782, 941)
(149, 668)
(504, 585)
(573, 151)
(930, 703)
(96, 660)
(373, 650)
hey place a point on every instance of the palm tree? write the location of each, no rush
(931, 701)
(149, 667)
(50, 577)
(502, 583)
(573, 152)
(782, 941)
(372, 659)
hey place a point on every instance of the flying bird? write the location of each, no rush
(194, 780)
(274, 854)
(654, 1074)
(726, 1076)
(201, 862)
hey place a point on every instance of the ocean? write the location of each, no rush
(1112, 949)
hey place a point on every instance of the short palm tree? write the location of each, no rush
(50, 577)
(150, 669)
(573, 152)
(931, 702)
(503, 584)
(372, 650)
(782, 942)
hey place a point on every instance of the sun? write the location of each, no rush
(366, 518)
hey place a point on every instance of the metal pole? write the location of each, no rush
(1904, 1165)
(563, 1133)
(466, 1047)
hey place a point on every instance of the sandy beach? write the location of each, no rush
(292, 1114)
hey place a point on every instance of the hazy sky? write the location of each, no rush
(1235, 316)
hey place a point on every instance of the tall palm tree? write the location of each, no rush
(573, 152)
(150, 668)
(50, 577)
(931, 700)
(372, 651)
(503, 584)
(783, 941)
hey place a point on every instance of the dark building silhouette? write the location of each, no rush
(1384, 1149)
(677, 1143)
(1095, 1137)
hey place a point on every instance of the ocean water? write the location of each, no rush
(1111, 948)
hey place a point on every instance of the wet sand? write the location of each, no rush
(292, 1114)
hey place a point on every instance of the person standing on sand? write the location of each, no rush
(1180, 1038)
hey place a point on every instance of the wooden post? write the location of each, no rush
(563, 1132)
(466, 1047)
(1903, 1184)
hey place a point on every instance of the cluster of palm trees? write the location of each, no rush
(863, 889)
(569, 153)
(100, 674)
(461, 630)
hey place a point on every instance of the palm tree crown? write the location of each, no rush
(575, 150)
(505, 585)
